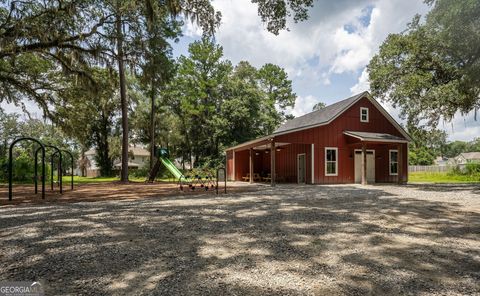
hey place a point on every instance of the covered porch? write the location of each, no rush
(385, 153)
(253, 162)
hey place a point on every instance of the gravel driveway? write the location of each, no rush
(291, 240)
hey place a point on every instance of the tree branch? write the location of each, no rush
(56, 42)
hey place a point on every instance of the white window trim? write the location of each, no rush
(336, 162)
(390, 162)
(368, 114)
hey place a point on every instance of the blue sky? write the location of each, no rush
(325, 56)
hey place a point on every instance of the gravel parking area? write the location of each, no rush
(291, 240)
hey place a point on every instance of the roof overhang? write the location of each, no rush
(375, 137)
(252, 143)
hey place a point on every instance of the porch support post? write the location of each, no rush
(251, 165)
(364, 164)
(234, 172)
(313, 163)
(272, 163)
(400, 164)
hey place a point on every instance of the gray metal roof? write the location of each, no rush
(318, 117)
(470, 155)
(375, 137)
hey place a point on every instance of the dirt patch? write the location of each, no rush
(110, 191)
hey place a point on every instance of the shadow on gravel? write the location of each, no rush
(322, 240)
(449, 188)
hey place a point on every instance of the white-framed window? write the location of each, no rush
(331, 161)
(364, 116)
(393, 162)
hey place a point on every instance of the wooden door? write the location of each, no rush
(301, 169)
(370, 166)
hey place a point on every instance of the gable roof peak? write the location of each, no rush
(321, 116)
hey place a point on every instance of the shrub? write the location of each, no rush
(455, 170)
(421, 156)
(141, 172)
(23, 168)
(472, 168)
(144, 172)
(3, 169)
(203, 172)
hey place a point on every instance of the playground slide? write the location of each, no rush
(171, 167)
(183, 181)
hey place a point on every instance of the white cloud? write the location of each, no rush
(322, 42)
(190, 29)
(462, 127)
(10, 108)
(303, 105)
(326, 79)
(387, 17)
(324, 35)
(353, 50)
(363, 83)
(30, 106)
(243, 35)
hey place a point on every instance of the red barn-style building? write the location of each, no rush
(351, 141)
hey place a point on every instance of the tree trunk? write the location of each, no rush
(190, 158)
(103, 152)
(166, 145)
(123, 97)
(152, 126)
(83, 167)
(104, 147)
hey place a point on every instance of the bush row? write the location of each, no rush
(470, 169)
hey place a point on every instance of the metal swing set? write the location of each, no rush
(41, 148)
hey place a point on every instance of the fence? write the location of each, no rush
(428, 168)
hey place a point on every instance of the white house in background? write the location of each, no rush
(441, 161)
(467, 157)
(138, 158)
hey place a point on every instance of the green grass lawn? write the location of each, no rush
(427, 177)
(83, 180)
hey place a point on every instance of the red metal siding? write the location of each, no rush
(332, 136)
(241, 164)
(286, 162)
